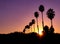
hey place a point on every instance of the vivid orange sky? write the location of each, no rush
(15, 14)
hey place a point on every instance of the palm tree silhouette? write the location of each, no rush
(37, 15)
(30, 24)
(26, 27)
(50, 15)
(33, 22)
(41, 9)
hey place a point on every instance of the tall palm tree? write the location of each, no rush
(50, 15)
(30, 24)
(33, 22)
(41, 9)
(26, 27)
(37, 15)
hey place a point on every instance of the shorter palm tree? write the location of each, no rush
(33, 22)
(37, 15)
(26, 27)
(30, 24)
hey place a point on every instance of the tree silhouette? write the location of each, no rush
(37, 15)
(33, 22)
(30, 24)
(50, 15)
(24, 30)
(46, 29)
(51, 29)
(26, 27)
(41, 9)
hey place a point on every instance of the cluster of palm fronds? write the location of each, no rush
(50, 14)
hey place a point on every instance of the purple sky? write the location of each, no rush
(15, 14)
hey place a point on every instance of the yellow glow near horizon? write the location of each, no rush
(36, 30)
(40, 31)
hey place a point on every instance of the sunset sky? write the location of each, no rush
(15, 14)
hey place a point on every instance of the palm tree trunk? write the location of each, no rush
(24, 30)
(42, 20)
(34, 27)
(37, 25)
(51, 23)
(31, 28)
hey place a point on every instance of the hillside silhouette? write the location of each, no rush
(22, 38)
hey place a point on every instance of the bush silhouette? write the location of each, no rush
(46, 29)
(51, 29)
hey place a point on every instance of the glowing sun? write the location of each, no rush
(40, 32)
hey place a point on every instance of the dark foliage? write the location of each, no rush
(46, 29)
(36, 14)
(50, 14)
(33, 21)
(26, 27)
(41, 8)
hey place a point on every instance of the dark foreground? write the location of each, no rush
(31, 38)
